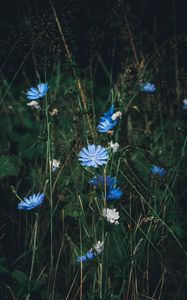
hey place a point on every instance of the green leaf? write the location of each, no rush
(29, 145)
(3, 270)
(20, 277)
(178, 231)
(72, 211)
(8, 166)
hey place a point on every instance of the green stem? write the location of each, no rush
(48, 167)
(34, 251)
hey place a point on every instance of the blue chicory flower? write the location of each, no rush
(156, 170)
(101, 181)
(109, 120)
(106, 125)
(31, 202)
(148, 87)
(92, 253)
(109, 113)
(88, 256)
(113, 194)
(93, 156)
(39, 92)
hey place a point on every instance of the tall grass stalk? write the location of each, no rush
(34, 248)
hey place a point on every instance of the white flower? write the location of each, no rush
(55, 164)
(114, 146)
(34, 104)
(111, 215)
(99, 247)
(54, 112)
(116, 115)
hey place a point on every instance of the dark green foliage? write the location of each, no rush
(9, 166)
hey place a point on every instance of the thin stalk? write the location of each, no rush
(129, 33)
(58, 258)
(176, 53)
(34, 251)
(20, 67)
(48, 168)
(81, 269)
(78, 81)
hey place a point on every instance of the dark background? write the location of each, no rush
(90, 27)
(12, 13)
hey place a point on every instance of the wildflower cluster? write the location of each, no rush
(93, 156)
(96, 156)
